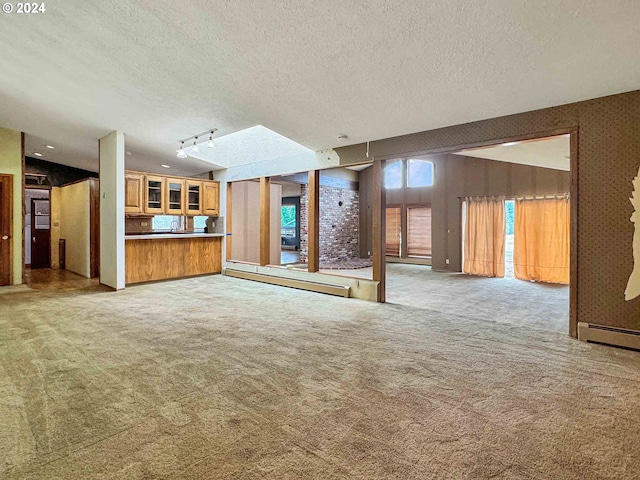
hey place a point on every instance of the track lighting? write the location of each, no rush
(195, 148)
(181, 152)
(210, 143)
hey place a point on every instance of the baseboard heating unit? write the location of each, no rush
(617, 337)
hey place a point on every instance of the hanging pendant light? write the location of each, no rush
(181, 152)
(195, 148)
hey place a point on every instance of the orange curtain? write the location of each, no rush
(484, 237)
(541, 240)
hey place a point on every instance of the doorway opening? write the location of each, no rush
(494, 214)
(290, 230)
(37, 228)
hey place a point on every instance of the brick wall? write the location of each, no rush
(338, 224)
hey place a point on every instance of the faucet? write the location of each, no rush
(176, 228)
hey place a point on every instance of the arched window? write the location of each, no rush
(419, 173)
(393, 175)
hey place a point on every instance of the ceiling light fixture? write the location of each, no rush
(195, 148)
(509, 144)
(50, 146)
(165, 166)
(37, 154)
(210, 143)
(181, 152)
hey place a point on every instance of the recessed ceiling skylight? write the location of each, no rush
(251, 145)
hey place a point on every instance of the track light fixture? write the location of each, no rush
(210, 143)
(195, 148)
(181, 152)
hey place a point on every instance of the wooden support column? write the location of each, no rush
(313, 221)
(265, 220)
(229, 236)
(378, 198)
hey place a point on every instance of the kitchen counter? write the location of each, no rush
(158, 236)
(152, 257)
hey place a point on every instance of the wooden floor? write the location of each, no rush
(55, 279)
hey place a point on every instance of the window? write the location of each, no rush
(174, 222)
(199, 222)
(162, 222)
(419, 173)
(393, 175)
(288, 221)
(393, 231)
(419, 231)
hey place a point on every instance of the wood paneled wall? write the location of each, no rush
(458, 176)
(160, 259)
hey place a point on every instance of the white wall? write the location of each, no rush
(11, 164)
(281, 166)
(112, 254)
(75, 226)
(291, 189)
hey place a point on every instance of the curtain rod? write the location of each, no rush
(523, 197)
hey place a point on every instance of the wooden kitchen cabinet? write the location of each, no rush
(211, 199)
(194, 197)
(133, 197)
(154, 194)
(151, 194)
(175, 196)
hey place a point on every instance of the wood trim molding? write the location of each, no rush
(79, 181)
(325, 181)
(229, 214)
(573, 235)
(378, 208)
(464, 146)
(24, 208)
(94, 225)
(265, 220)
(313, 219)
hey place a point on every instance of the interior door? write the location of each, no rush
(6, 197)
(40, 233)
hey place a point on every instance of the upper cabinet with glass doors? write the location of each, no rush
(147, 193)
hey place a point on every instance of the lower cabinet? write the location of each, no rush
(164, 258)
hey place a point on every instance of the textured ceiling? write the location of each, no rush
(163, 70)
(551, 152)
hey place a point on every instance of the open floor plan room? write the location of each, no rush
(393, 240)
